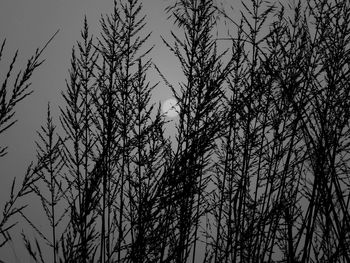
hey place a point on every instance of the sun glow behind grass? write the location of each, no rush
(171, 108)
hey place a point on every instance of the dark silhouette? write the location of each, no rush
(260, 170)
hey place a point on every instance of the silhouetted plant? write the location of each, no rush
(286, 106)
(50, 149)
(113, 146)
(200, 121)
(258, 171)
(20, 90)
(82, 162)
(131, 140)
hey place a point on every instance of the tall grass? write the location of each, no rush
(259, 172)
(19, 89)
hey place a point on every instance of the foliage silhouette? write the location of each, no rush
(258, 171)
(20, 90)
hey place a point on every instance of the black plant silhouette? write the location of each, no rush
(258, 171)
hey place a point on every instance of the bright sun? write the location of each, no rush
(170, 108)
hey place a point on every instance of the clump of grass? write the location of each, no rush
(260, 167)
